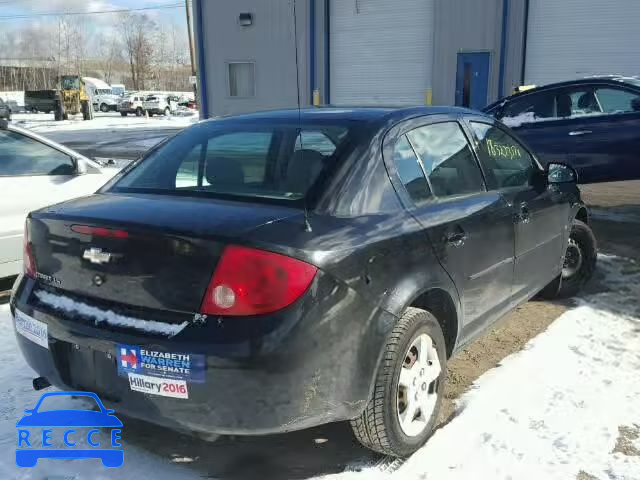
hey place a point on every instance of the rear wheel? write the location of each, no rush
(579, 263)
(405, 402)
(138, 112)
(124, 114)
(167, 112)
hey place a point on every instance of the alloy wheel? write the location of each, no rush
(572, 259)
(417, 385)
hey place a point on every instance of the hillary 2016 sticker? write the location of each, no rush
(175, 365)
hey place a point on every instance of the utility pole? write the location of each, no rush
(191, 53)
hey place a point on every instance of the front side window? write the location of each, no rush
(410, 171)
(507, 163)
(447, 159)
(242, 82)
(21, 155)
(237, 160)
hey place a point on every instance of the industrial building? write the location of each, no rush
(252, 54)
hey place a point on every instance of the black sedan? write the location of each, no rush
(280, 270)
(592, 124)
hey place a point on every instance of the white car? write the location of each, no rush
(36, 172)
(160, 104)
(131, 104)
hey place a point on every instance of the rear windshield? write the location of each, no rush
(280, 162)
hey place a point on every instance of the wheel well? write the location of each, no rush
(583, 215)
(440, 304)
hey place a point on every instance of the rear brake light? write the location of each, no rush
(252, 282)
(27, 254)
(99, 231)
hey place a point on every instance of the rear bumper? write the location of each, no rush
(309, 369)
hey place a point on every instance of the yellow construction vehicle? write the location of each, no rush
(72, 98)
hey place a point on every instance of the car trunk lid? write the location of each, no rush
(149, 251)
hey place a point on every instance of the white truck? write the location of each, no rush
(102, 96)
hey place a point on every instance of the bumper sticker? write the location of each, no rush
(138, 360)
(32, 329)
(165, 387)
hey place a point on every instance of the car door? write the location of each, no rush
(604, 133)
(32, 175)
(539, 214)
(470, 229)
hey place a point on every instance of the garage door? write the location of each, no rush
(381, 51)
(571, 39)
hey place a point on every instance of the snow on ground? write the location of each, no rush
(551, 411)
(555, 408)
(42, 122)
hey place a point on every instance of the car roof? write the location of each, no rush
(29, 133)
(366, 114)
(601, 79)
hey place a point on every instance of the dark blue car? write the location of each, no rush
(592, 124)
(70, 419)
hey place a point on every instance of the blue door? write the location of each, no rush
(472, 80)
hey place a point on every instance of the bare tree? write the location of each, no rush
(110, 54)
(136, 32)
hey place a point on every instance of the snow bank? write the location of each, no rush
(13, 97)
(553, 409)
(68, 305)
(42, 122)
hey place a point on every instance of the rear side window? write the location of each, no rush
(21, 155)
(447, 159)
(410, 171)
(507, 163)
(613, 100)
(239, 160)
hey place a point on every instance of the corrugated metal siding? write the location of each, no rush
(269, 42)
(381, 51)
(572, 39)
(465, 26)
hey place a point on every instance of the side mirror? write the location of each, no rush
(558, 173)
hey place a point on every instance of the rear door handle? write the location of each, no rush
(456, 238)
(575, 133)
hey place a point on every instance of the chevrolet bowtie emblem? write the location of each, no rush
(96, 255)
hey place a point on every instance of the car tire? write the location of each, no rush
(386, 425)
(139, 112)
(579, 263)
(104, 108)
(123, 114)
(167, 112)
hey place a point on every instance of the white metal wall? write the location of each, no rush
(570, 39)
(381, 51)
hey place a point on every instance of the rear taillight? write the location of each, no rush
(27, 254)
(252, 282)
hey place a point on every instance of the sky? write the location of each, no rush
(32, 8)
